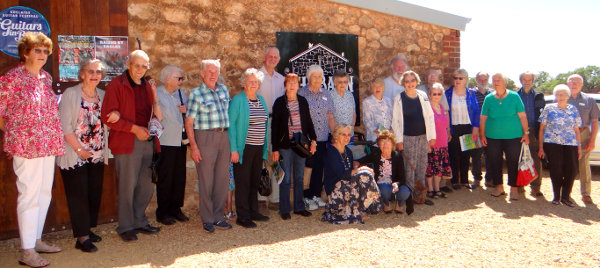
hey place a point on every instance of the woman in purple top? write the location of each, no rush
(438, 164)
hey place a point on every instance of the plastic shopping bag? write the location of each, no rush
(526, 172)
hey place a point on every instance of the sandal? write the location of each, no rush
(498, 195)
(43, 247)
(440, 194)
(33, 259)
(567, 203)
(555, 202)
(431, 194)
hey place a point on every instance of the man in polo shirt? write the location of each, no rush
(270, 89)
(588, 110)
(482, 90)
(206, 124)
(136, 100)
(534, 104)
(399, 65)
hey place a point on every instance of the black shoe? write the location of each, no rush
(181, 217)
(209, 227)
(246, 223)
(286, 216)
(222, 224)
(128, 236)
(86, 246)
(148, 229)
(456, 186)
(446, 189)
(410, 205)
(94, 237)
(259, 217)
(303, 213)
(273, 206)
(166, 220)
(428, 202)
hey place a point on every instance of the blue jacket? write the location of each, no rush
(239, 120)
(472, 106)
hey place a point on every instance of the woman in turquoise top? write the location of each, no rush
(560, 143)
(503, 127)
(248, 121)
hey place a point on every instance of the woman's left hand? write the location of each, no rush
(431, 144)
(313, 148)
(235, 157)
(113, 117)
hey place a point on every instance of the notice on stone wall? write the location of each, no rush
(332, 52)
(111, 50)
(73, 50)
(16, 21)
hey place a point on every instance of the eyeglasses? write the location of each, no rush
(91, 72)
(346, 134)
(40, 51)
(459, 78)
(436, 94)
(179, 78)
(410, 80)
(140, 66)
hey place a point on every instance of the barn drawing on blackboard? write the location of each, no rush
(321, 55)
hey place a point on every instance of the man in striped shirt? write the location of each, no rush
(206, 125)
(483, 90)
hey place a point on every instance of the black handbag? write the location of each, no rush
(184, 138)
(154, 163)
(299, 143)
(264, 184)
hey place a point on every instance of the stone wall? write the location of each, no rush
(182, 32)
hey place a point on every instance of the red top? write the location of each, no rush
(30, 111)
(121, 97)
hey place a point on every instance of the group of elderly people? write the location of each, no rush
(415, 130)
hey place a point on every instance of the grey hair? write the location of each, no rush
(482, 73)
(378, 81)
(251, 71)
(438, 86)
(561, 87)
(503, 77)
(575, 76)
(526, 73)
(213, 62)
(312, 69)
(271, 47)
(410, 73)
(399, 57)
(88, 62)
(463, 72)
(339, 127)
(169, 71)
(139, 54)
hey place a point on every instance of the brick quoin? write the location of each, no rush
(451, 47)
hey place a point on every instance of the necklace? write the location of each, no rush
(346, 160)
(88, 96)
(254, 103)
(501, 97)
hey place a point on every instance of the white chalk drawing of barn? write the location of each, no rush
(319, 54)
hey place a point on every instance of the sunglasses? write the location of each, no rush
(459, 78)
(179, 78)
(91, 72)
(40, 51)
(436, 94)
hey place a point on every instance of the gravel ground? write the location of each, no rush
(468, 229)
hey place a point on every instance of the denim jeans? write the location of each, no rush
(293, 165)
(385, 189)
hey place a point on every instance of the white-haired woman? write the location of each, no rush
(321, 113)
(377, 110)
(82, 165)
(248, 121)
(560, 143)
(170, 188)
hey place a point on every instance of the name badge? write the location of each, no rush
(325, 98)
(581, 104)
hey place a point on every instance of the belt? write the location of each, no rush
(220, 129)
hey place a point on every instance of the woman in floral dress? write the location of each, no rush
(438, 163)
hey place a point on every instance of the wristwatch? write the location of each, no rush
(527, 132)
(79, 149)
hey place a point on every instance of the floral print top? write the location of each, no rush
(560, 124)
(90, 132)
(30, 111)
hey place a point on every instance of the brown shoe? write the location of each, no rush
(587, 200)
(536, 193)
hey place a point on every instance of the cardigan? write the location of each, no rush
(335, 170)
(472, 106)
(374, 159)
(398, 119)
(69, 108)
(281, 116)
(239, 120)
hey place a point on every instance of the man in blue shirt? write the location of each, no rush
(534, 104)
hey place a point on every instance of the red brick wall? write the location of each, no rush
(451, 47)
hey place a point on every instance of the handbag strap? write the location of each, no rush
(289, 111)
(181, 101)
(522, 151)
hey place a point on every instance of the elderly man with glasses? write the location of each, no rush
(136, 100)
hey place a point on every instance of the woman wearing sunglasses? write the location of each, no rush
(33, 137)
(464, 119)
(82, 165)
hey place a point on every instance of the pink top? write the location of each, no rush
(30, 111)
(441, 123)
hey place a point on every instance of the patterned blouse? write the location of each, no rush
(560, 124)
(30, 111)
(320, 107)
(343, 111)
(90, 132)
(376, 112)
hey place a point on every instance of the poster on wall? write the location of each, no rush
(16, 21)
(73, 50)
(113, 52)
(332, 52)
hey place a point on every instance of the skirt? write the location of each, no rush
(351, 197)
(438, 163)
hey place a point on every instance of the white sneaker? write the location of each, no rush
(310, 204)
(319, 201)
